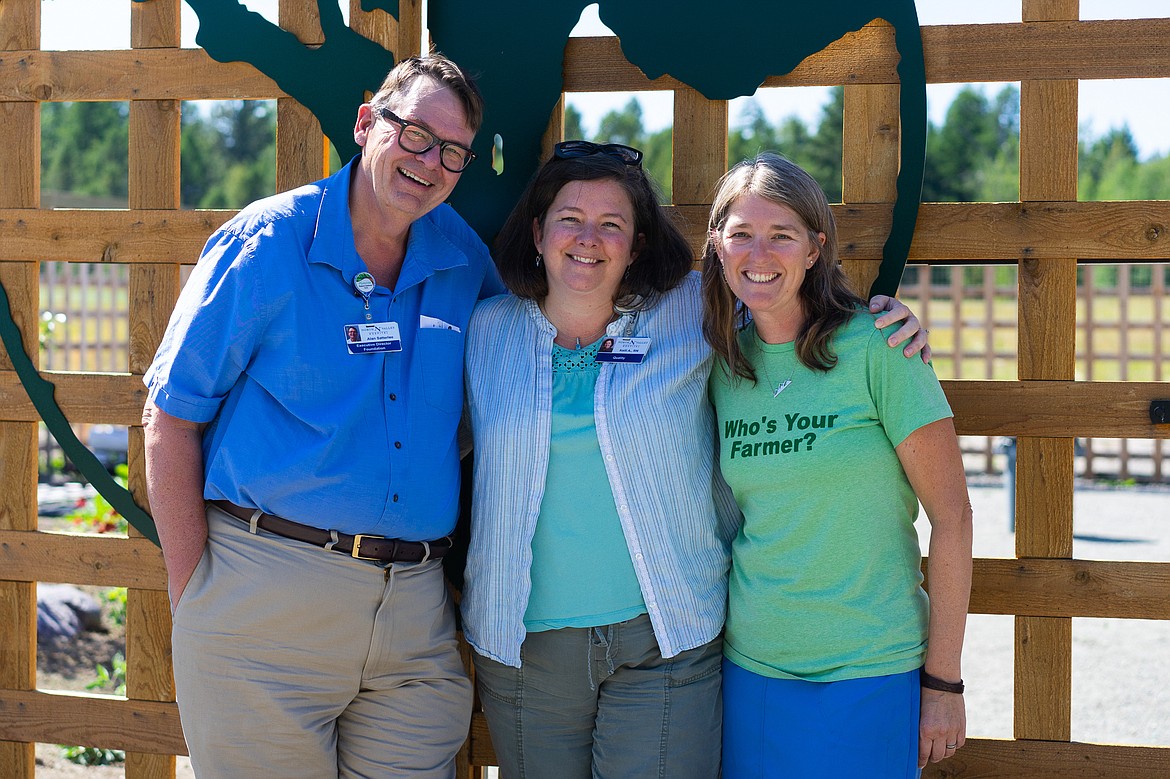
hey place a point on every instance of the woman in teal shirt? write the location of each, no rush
(596, 579)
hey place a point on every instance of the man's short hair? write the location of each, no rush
(441, 69)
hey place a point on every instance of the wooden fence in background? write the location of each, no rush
(1123, 334)
(1045, 234)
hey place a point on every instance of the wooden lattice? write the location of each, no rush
(1046, 233)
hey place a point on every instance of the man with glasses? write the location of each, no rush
(304, 481)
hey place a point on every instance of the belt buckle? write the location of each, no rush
(357, 544)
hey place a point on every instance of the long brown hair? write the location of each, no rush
(828, 299)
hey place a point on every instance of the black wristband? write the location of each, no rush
(935, 683)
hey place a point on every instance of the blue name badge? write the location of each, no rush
(632, 350)
(372, 337)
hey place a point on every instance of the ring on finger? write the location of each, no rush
(952, 746)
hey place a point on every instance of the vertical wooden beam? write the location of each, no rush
(869, 165)
(1047, 333)
(18, 511)
(149, 674)
(154, 151)
(377, 25)
(155, 129)
(154, 25)
(302, 155)
(555, 132)
(410, 30)
(20, 167)
(20, 25)
(464, 767)
(700, 146)
(20, 184)
(403, 36)
(699, 155)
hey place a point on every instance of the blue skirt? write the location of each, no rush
(792, 729)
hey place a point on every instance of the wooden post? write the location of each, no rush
(699, 155)
(377, 25)
(20, 185)
(302, 154)
(869, 160)
(153, 288)
(1047, 339)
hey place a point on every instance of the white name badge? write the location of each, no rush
(371, 337)
(623, 350)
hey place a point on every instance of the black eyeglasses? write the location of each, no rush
(417, 139)
(568, 149)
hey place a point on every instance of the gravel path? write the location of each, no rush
(1121, 669)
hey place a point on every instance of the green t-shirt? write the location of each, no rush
(826, 577)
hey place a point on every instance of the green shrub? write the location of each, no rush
(88, 756)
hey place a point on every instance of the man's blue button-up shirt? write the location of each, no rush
(298, 426)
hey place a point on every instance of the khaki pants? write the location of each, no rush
(292, 661)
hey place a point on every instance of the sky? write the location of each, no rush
(1138, 103)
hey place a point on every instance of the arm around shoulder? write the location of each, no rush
(891, 310)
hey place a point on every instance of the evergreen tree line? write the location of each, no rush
(229, 152)
(973, 157)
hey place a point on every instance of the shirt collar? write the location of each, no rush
(428, 248)
(333, 242)
(622, 326)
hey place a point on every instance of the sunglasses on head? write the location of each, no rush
(627, 154)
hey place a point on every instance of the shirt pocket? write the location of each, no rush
(441, 357)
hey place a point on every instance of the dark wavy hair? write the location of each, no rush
(441, 69)
(829, 300)
(664, 256)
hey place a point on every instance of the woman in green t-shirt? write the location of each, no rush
(835, 662)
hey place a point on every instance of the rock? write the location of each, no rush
(64, 610)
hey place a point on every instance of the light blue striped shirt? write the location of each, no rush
(657, 435)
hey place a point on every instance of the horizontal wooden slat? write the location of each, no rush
(140, 74)
(1099, 49)
(1071, 588)
(84, 235)
(1056, 409)
(969, 53)
(91, 720)
(1096, 49)
(995, 232)
(983, 758)
(100, 398)
(954, 232)
(1001, 759)
(101, 561)
(1134, 230)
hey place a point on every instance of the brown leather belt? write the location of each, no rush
(361, 547)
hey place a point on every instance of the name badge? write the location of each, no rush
(372, 337)
(615, 349)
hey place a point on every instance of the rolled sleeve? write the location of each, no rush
(213, 331)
